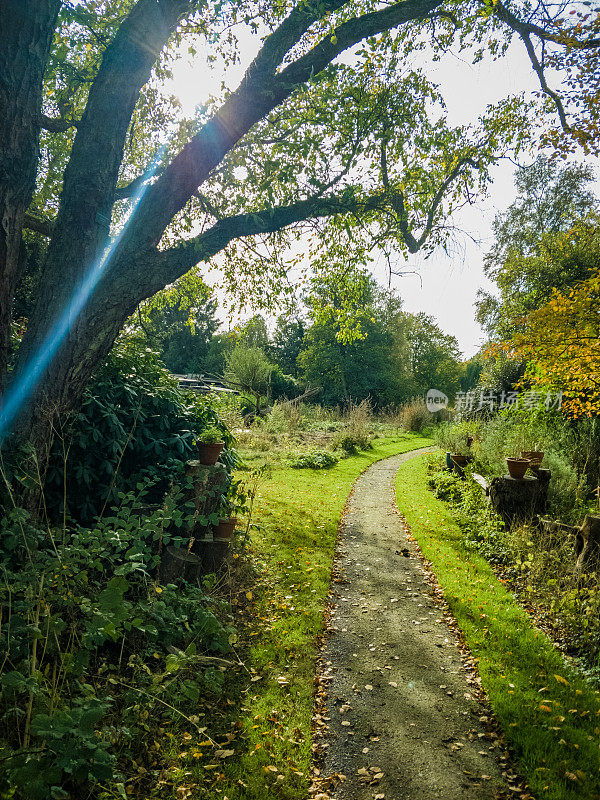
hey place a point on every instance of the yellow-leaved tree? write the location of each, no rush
(561, 344)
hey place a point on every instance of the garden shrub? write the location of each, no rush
(282, 385)
(452, 436)
(133, 424)
(351, 443)
(87, 638)
(314, 459)
(414, 416)
(358, 420)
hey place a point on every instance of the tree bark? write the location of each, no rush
(587, 544)
(82, 226)
(26, 31)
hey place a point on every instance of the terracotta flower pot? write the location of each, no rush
(224, 528)
(208, 454)
(459, 459)
(535, 458)
(517, 467)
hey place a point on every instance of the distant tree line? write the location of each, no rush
(352, 339)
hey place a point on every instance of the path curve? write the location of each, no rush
(403, 722)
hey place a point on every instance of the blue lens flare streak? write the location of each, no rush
(24, 384)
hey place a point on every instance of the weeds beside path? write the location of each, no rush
(549, 713)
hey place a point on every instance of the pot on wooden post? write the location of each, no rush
(535, 459)
(224, 528)
(208, 454)
(209, 444)
(517, 467)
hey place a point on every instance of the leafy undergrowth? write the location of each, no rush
(539, 565)
(261, 726)
(549, 712)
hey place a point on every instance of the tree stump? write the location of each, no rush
(587, 545)
(517, 500)
(209, 483)
(211, 552)
(555, 531)
(177, 564)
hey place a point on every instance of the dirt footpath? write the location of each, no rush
(401, 714)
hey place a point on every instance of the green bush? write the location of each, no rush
(86, 637)
(283, 385)
(351, 443)
(314, 459)
(414, 416)
(134, 424)
(452, 436)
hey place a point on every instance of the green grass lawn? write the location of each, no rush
(549, 713)
(268, 749)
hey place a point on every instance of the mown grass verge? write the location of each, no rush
(549, 713)
(264, 738)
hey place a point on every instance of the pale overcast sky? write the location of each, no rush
(446, 285)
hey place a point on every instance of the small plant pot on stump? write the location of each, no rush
(224, 528)
(535, 458)
(208, 454)
(517, 467)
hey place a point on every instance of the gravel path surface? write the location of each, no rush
(402, 717)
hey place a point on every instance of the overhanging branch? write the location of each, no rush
(57, 124)
(43, 226)
(261, 90)
(525, 30)
(152, 272)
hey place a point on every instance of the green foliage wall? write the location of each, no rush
(134, 424)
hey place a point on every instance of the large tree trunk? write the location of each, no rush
(26, 31)
(82, 228)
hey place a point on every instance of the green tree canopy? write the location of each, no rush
(248, 369)
(287, 343)
(180, 323)
(528, 258)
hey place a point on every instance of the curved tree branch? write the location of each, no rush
(397, 202)
(57, 124)
(43, 226)
(525, 30)
(261, 90)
